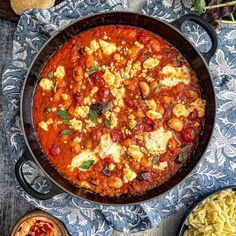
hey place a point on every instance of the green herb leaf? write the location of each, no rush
(199, 6)
(63, 114)
(133, 126)
(182, 154)
(93, 69)
(93, 116)
(161, 83)
(155, 159)
(125, 78)
(126, 52)
(66, 122)
(192, 133)
(66, 132)
(179, 58)
(107, 123)
(55, 86)
(108, 107)
(103, 70)
(50, 74)
(155, 89)
(47, 110)
(87, 164)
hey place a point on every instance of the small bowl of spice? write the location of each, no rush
(39, 223)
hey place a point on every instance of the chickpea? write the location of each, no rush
(145, 162)
(153, 86)
(78, 73)
(176, 124)
(89, 61)
(139, 114)
(114, 182)
(193, 94)
(89, 144)
(127, 142)
(77, 148)
(144, 87)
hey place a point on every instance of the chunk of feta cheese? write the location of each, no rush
(134, 152)
(107, 48)
(174, 76)
(129, 174)
(46, 84)
(180, 110)
(78, 160)
(60, 72)
(81, 111)
(151, 63)
(156, 141)
(43, 125)
(94, 46)
(114, 120)
(153, 114)
(108, 148)
(109, 78)
(76, 124)
(161, 166)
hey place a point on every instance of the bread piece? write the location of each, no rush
(20, 6)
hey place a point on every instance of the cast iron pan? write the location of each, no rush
(170, 32)
(183, 227)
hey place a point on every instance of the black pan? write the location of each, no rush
(172, 33)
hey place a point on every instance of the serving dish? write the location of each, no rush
(183, 226)
(168, 32)
(47, 222)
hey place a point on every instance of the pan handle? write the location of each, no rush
(55, 190)
(206, 26)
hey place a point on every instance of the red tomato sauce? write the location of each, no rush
(118, 110)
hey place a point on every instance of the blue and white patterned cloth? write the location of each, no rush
(218, 167)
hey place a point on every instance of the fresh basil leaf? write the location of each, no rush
(125, 78)
(47, 110)
(192, 133)
(50, 74)
(108, 107)
(107, 123)
(93, 116)
(155, 159)
(87, 164)
(93, 69)
(66, 122)
(199, 6)
(63, 114)
(182, 154)
(66, 132)
(55, 86)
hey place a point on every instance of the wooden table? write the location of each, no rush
(13, 207)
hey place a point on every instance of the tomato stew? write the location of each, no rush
(118, 110)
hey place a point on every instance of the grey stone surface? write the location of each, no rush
(13, 207)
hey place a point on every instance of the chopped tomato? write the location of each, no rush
(116, 136)
(189, 135)
(103, 92)
(97, 78)
(193, 115)
(55, 150)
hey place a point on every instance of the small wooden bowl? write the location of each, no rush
(38, 213)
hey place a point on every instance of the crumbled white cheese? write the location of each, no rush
(151, 104)
(43, 125)
(151, 63)
(81, 111)
(135, 152)
(46, 84)
(76, 124)
(156, 141)
(108, 148)
(109, 78)
(114, 120)
(199, 104)
(174, 75)
(78, 160)
(94, 46)
(153, 114)
(129, 174)
(60, 72)
(107, 48)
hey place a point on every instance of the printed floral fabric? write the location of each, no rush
(218, 166)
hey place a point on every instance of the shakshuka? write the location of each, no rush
(118, 110)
